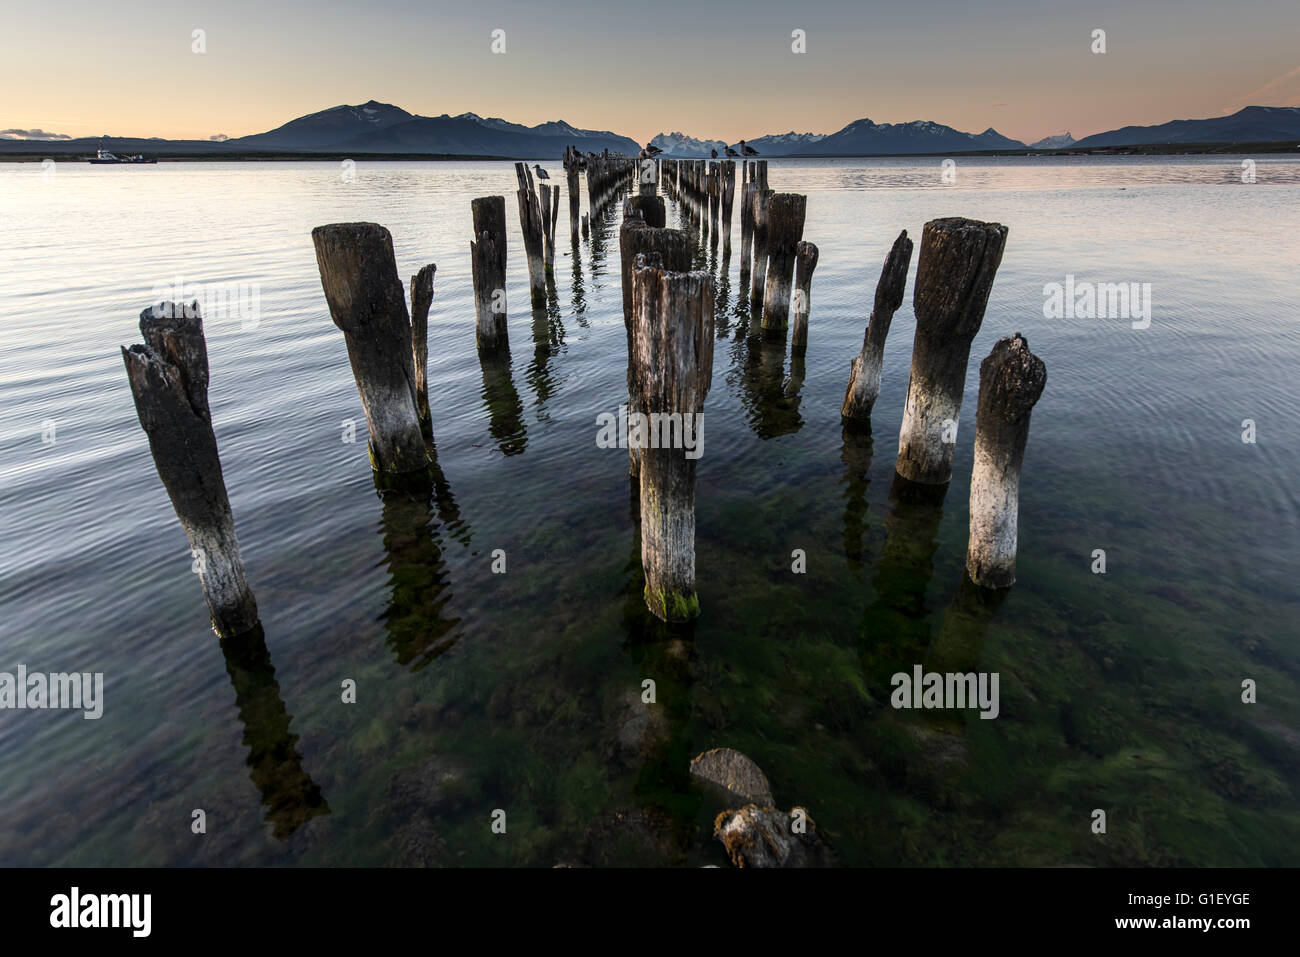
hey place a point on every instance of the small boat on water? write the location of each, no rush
(104, 157)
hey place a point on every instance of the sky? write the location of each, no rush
(714, 69)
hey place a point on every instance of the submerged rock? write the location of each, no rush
(765, 837)
(732, 777)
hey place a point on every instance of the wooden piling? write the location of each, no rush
(550, 209)
(959, 258)
(760, 201)
(168, 375)
(672, 369)
(785, 218)
(728, 199)
(1011, 381)
(652, 210)
(366, 301)
(421, 302)
(571, 172)
(864, 375)
(487, 254)
(530, 223)
(801, 302)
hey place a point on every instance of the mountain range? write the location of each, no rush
(381, 128)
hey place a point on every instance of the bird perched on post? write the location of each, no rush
(652, 150)
(541, 173)
(747, 150)
(713, 153)
(731, 152)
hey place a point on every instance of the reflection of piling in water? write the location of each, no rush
(801, 302)
(367, 302)
(415, 620)
(504, 408)
(421, 303)
(1011, 380)
(959, 258)
(785, 218)
(548, 337)
(864, 376)
(771, 401)
(856, 453)
(672, 370)
(169, 382)
(487, 255)
(291, 797)
(958, 646)
(896, 619)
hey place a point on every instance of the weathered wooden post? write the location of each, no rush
(671, 248)
(760, 201)
(571, 165)
(746, 227)
(959, 258)
(1011, 381)
(728, 199)
(550, 209)
(715, 201)
(672, 369)
(864, 376)
(801, 302)
(169, 382)
(421, 302)
(785, 219)
(652, 210)
(487, 255)
(366, 301)
(530, 222)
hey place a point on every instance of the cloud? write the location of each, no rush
(32, 135)
(1282, 90)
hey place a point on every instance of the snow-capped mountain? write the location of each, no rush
(1058, 142)
(681, 145)
(781, 144)
(865, 138)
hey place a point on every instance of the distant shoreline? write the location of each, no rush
(33, 155)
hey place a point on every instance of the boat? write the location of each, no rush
(104, 157)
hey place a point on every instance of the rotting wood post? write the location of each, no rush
(728, 200)
(421, 303)
(672, 369)
(785, 219)
(746, 227)
(652, 209)
(575, 197)
(530, 222)
(760, 201)
(168, 375)
(958, 260)
(669, 247)
(801, 302)
(714, 187)
(1011, 381)
(864, 375)
(487, 254)
(550, 209)
(366, 301)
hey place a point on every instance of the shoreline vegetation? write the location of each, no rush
(244, 156)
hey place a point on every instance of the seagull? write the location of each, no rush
(541, 173)
(652, 150)
(747, 150)
(731, 152)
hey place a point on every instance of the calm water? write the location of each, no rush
(521, 691)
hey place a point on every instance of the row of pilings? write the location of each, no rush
(668, 312)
